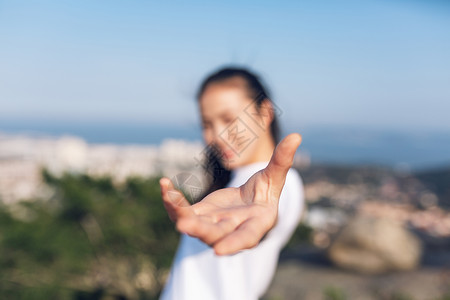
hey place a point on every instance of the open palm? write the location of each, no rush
(233, 219)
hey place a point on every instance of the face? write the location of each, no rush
(232, 124)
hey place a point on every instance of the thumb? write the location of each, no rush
(282, 159)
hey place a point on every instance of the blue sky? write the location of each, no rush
(378, 64)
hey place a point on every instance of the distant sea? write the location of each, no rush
(330, 145)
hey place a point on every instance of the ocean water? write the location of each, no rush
(398, 149)
(335, 145)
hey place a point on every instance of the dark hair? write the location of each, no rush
(257, 91)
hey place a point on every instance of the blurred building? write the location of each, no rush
(22, 159)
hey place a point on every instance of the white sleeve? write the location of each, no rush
(290, 207)
(261, 261)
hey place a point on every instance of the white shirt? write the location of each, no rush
(198, 273)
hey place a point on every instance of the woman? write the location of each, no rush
(246, 206)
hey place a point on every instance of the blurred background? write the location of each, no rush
(98, 97)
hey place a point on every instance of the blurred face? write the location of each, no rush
(233, 125)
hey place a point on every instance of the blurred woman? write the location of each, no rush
(232, 238)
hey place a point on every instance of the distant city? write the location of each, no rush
(336, 145)
(24, 157)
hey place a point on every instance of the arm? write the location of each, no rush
(233, 219)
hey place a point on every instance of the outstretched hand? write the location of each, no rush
(233, 219)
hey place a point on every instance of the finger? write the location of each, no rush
(282, 159)
(246, 236)
(170, 194)
(206, 229)
(174, 202)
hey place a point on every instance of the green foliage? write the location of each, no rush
(301, 235)
(92, 240)
(334, 293)
(444, 297)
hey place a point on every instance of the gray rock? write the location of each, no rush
(373, 246)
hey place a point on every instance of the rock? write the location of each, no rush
(374, 246)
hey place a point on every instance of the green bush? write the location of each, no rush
(91, 240)
(334, 293)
